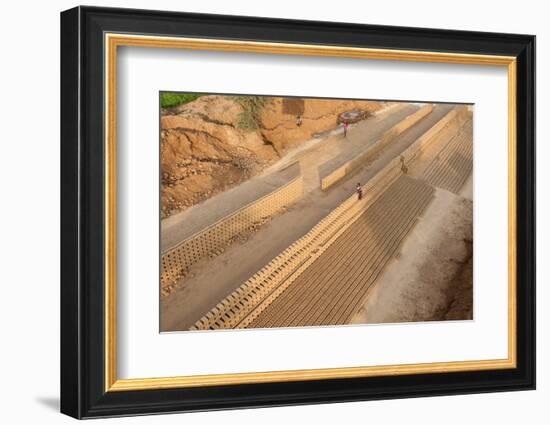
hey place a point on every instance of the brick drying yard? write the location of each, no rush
(283, 249)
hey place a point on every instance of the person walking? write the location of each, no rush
(359, 191)
(346, 126)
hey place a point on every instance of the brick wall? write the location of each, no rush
(386, 138)
(207, 242)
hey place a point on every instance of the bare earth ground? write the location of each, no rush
(432, 277)
(196, 294)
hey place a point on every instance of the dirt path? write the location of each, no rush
(180, 226)
(212, 280)
(330, 152)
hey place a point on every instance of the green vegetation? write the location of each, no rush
(169, 100)
(249, 119)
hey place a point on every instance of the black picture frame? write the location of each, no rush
(83, 392)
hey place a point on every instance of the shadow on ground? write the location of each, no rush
(49, 402)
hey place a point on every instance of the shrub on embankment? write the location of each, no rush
(170, 100)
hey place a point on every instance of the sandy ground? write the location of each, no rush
(211, 280)
(431, 279)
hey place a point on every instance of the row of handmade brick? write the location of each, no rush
(245, 299)
(244, 304)
(215, 237)
(387, 137)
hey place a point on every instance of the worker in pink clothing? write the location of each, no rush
(346, 126)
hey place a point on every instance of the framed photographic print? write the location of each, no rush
(261, 212)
